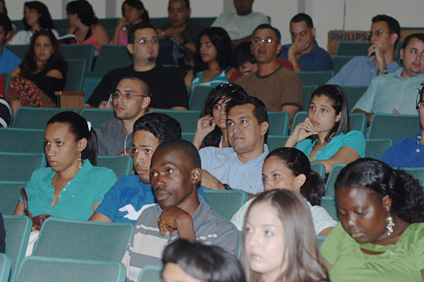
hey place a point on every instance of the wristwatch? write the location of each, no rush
(382, 70)
(227, 187)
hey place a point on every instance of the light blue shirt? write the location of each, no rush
(76, 199)
(359, 71)
(225, 166)
(389, 92)
(353, 139)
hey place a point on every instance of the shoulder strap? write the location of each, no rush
(25, 199)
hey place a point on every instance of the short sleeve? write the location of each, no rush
(109, 205)
(389, 156)
(331, 247)
(238, 217)
(342, 76)
(305, 146)
(366, 101)
(105, 178)
(355, 140)
(321, 219)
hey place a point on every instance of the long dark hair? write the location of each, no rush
(339, 103)
(139, 6)
(79, 128)
(83, 10)
(314, 187)
(228, 91)
(223, 45)
(29, 64)
(405, 192)
(45, 20)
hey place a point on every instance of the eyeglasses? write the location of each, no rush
(145, 41)
(378, 33)
(126, 95)
(262, 41)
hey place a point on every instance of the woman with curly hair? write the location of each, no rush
(41, 73)
(213, 60)
(380, 236)
(84, 24)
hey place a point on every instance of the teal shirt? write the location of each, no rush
(76, 199)
(353, 139)
(402, 261)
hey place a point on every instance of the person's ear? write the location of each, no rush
(189, 12)
(393, 38)
(299, 181)
(264, 128)
(146, 102)
(196, 175)
(313, 31)
(387, 203)
(130, 48)
(339, 117)
(402, 51)
(278, 48)
(82, 144)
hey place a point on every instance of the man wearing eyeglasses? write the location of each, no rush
(129, 101)
(408, 152)
(396, 93)
(278, 87)
(304, 53)
(380, 59)
(167, 87)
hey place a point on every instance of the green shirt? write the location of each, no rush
(76, 199)
(402, 261)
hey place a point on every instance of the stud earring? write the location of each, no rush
(390, 224)
(79, 161)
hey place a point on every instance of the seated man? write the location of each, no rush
(241, 23)
(130, 101)
(380, 60)
(304, 53)
(125, 199)
(180, 213)
(167, 87)
(408, 152)
(8, 61)
(239, 166)
(396, 93)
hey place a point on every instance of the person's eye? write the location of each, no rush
(268, 233)
(154, 41)
(217, 107)
(135, 150)
(129, 95)
(59, 143)
(311, 108)
(275, 176)
(243, 121)
(324, 110)
(341, 213)
(360, 212)
(148, 151)
(142, 41)
(46, 143)
(413, 51)
(247, 229)
(264, 179)
(153, 174)
(208, 44)
(230, 123)
(169, 170)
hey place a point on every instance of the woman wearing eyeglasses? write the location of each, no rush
(213, 60)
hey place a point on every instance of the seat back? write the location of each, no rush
(121, 165)
(20, 166)
(275, 142)
(150, 273)
(339, 62)
(315, 77)
(6, 79)
(19, 50)
(17, 140)
(198, 97)
(75, 76)
(87, 240)
(97, 116)
(415, 172)
(9, 191)
(36, 118)
(375, 148)
(331, 180)
(278, 123)
(329, 204)
(319, 168)
(109, 58)
(5, 265)
(187, 119)
(90, 83)
(226, 202)
(18, 229)
(321, 240)
(41, 269)
(353, 48)
(307, 93)
(188, 136)
(79, 51)
(353, 94)
(394, 127)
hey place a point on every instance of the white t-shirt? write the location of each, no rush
(320, 217)
(240, 26)
(24, 37)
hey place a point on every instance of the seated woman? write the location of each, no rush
(84, 24)
(41, 73)
(380, 236)
(212, 126)
(289, 168)
(213, 60)
(279, 242)
(195, 262)
(72, 187)
(36, 16)
(324, 136)
(133, 12)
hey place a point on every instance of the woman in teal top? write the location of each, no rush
(324, 136)
(380, 236)
(71, 187)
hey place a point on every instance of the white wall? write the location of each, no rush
(327, 14)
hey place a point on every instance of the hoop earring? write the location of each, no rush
(79, 161)
(390, 224)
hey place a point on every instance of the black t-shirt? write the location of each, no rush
(166, 86)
